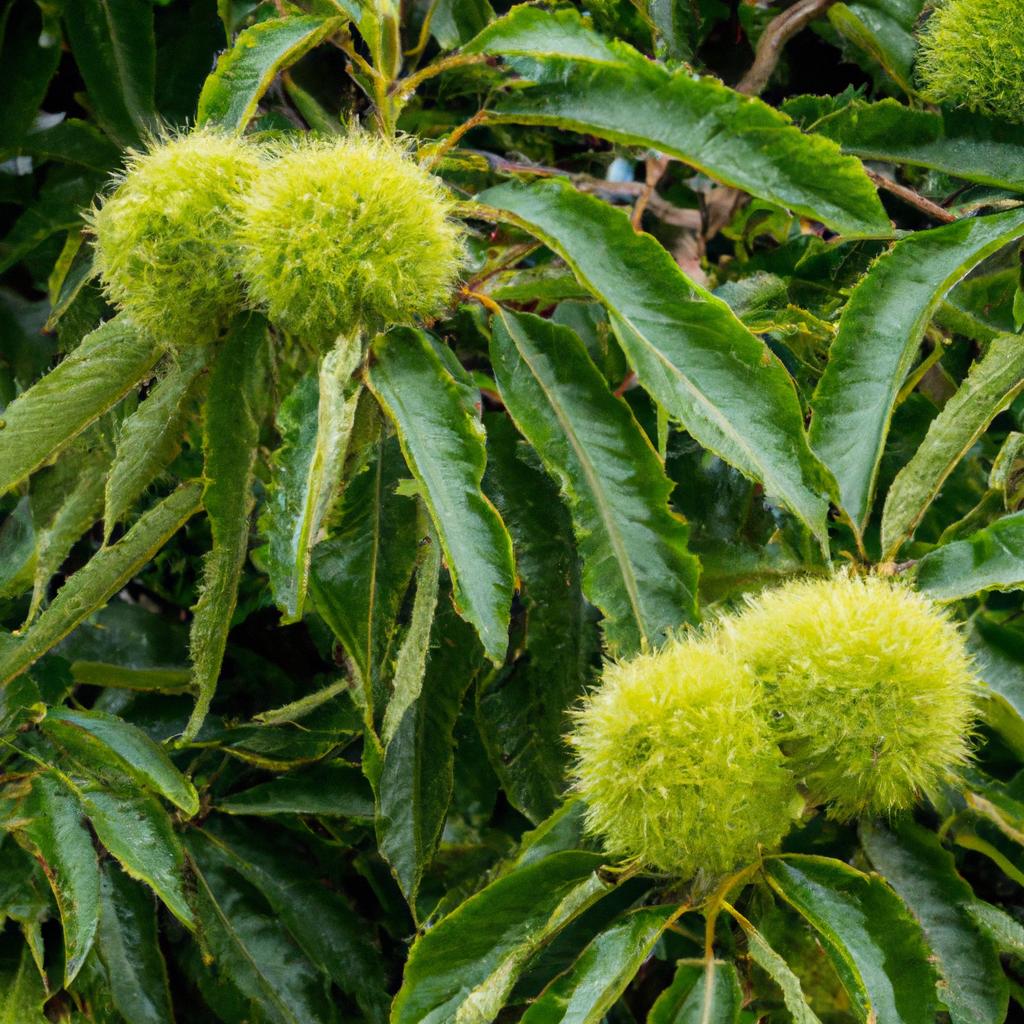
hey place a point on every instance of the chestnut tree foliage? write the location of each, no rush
(293, 625)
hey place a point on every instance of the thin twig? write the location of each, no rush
(908, 195)
(773, 39)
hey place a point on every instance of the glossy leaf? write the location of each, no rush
(602, 972)
(314, 422)
(874, 944)
(913, 862)
(700, 995)
(236, 406)
(885, 30)
(38, 424)
(100, 578)
(151, 437)
(1005, 931)
(535, 902)
(997, 652)
(990, 387)
(331, 789)
(443, 445)
(245, 72)
(990, 559)
(589, 85)
(105, 741)
(687, 347)
(879, 333)
(636, 568)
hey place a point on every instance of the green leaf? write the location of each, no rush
(128, 945)
(100, 578)
(602, 972)
(521, 711)
(914, 863)
(235, 409)
(250, 946)
(319, 919)
(443, 445)
(361, 573)
(455, 22)
(332, 789)
(151, 437)
(138, 832)
(956, 142)
(414, 786)
(885, 30)
(532, 905)
(989, 559)
(115, 52)
(997, 653)
(245, 72)
(105, 741)
(29, 58)
(21, 989)
(700, 995)
(687, 347)
(1005, 931)
(992, 384)
(314, 422)
(50, 824)
(73, 142)
(38, 424)
(608, 89)
(875, 946)
(879, 333)
(636, 567)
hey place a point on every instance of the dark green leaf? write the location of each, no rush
(455, 22)
(885, 30)
(331, 789)
(22, 992)
(29, 58)
(700, 995)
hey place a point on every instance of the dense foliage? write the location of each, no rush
(379, 380)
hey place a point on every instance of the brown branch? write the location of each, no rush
(777, 33)
(915, 199)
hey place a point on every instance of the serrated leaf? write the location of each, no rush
(874, 944)
(628, 99)
(992, 384)
(636, 567)
(687, 347)
(443, 445)
(414, 785)
(22, 993)
(602, 972)
(151, 437)
(885, 30)
(1005, 931)
(700, 995)
(533, 903)
(236, 406)
(990, 559)
(105, 741)
(245, 72)
(331, 789)
(334, 938)
(100, 578)
(44, 420)
(314, 421)
(128, 944)
(521, 711)
(50, 824)
(115, 52)
(914, 863)
(879, 333)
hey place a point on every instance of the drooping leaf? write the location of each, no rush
(997, 652)
(990, 387)
(331, 789)
(687, 347)
(879, 333)
(885, 30)
(636, 567)
(75, 142)
(245, 72)
(315, 422)
(913, 862)
(601, 974)
(151, 437)
(29, 58)
(874, 944)
(521, 711)
(534, 903)
(22, 993)
(587, 84)
(100, 578)
(443, 445)
(700, 995)
(102, 741)
(108, 364)
(50, 823)
(454, 22)
(115, 51)
(990, 559)
(236, 406)
(128, 944)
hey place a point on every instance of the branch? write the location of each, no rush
(908, 195)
